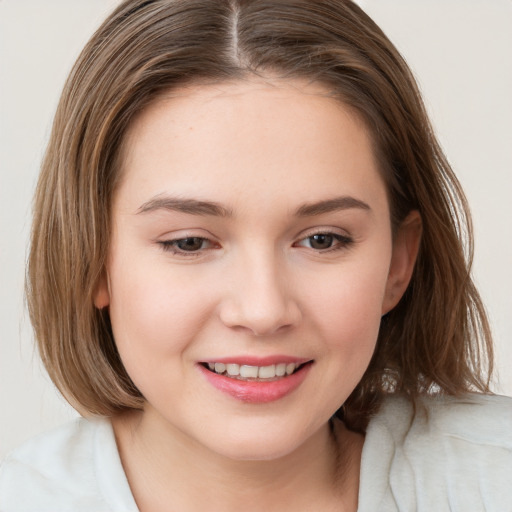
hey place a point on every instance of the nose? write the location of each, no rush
(260, 298)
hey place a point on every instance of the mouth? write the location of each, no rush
(253, 383)
(252, 373)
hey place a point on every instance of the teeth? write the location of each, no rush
(254, 372)
(248, 371)
(280, 369)
(233, 369)
(220, 367)
(267, 372)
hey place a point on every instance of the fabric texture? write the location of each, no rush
(74, 468)
(452, 454)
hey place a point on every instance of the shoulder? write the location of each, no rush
(443, 453)
(63, 470)
(476, 418)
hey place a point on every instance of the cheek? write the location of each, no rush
(347, 312)
(155, 313)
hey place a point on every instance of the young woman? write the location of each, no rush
(247, 273)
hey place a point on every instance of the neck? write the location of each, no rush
(164, 465)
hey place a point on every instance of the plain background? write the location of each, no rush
(461, 53)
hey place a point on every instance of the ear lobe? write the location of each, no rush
(102, 292)
(406, 245)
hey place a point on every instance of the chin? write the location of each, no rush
(253, 451)
(259, 443)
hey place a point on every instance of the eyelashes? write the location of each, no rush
(189, 246)
(325, 241)
(319, 242)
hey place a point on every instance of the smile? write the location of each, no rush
(253, 383)
(247, 372)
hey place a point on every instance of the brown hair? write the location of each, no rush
(436, 340)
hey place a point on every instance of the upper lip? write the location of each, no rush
(257, 360)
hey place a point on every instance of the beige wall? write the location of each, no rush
(461, 52)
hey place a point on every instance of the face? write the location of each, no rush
(250, 263)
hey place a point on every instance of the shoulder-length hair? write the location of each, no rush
(437, 339)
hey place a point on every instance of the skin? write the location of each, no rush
(258, 284)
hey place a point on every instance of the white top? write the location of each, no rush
(455, 456)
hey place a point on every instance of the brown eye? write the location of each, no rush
(191, 244)
(321, 241)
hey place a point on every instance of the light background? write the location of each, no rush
(461, 53)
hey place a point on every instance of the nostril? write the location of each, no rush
(262, 304)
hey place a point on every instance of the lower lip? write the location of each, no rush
(256, 392)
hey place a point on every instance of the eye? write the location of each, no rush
(325, 241)
(191, 244)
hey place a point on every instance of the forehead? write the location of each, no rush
(288, 139)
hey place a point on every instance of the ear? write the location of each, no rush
(102, 292)
(406, 245)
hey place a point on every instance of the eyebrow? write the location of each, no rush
(197, 207)
(331, 205)
(190, 206)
